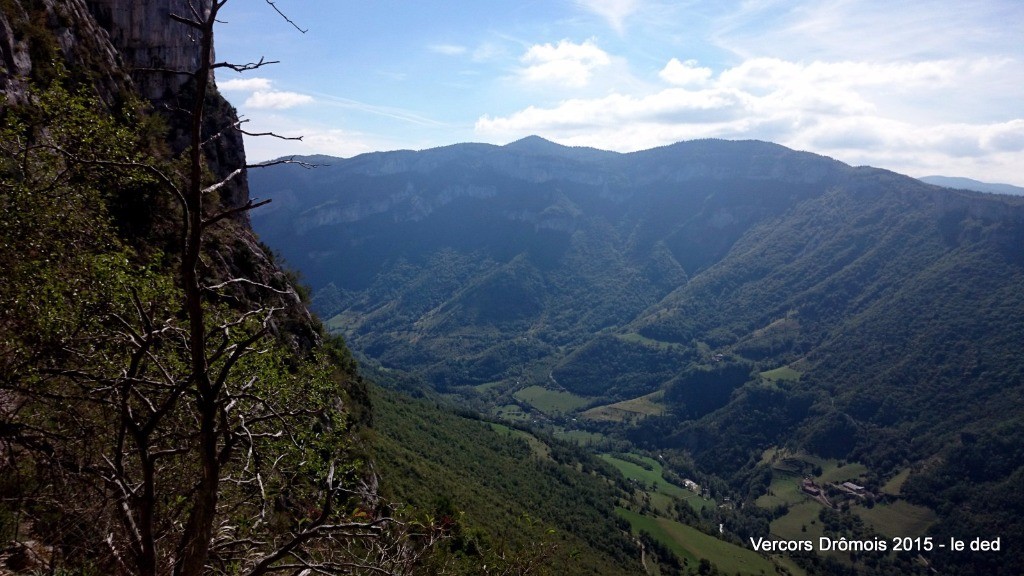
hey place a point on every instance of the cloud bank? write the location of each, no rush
(858, 111)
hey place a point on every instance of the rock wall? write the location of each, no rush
(157, 50)
(150, 43)
(33, 34)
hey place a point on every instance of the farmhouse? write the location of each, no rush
(810, 487)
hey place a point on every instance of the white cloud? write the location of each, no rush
(448, 49)
(244, 84)
(276, 99)
(565, 63)
(316, 139)
(262, 94)
(683, 73)
(847, 109)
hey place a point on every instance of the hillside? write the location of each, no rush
(505, 490)
(571, 286)
(167, 403)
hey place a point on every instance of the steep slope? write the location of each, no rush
(506, 491)
(571, 243)
(167, 404)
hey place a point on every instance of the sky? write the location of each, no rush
(918, 87)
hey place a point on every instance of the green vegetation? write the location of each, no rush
(152, 393)
(648, 473)
(773, 298)
(550, 401)
(627, 410)
(693, 545)
(783, 373)
(898, 519)
(895, 484)
(487, 476)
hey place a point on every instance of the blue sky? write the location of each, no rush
(919, 87)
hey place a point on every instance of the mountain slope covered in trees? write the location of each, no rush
(167, 403)
(761, 297)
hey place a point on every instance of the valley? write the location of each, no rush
(707, 357)
(718, 304)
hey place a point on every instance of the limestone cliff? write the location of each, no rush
(116, 48)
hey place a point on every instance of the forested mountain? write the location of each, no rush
(655, 359)
(167, 403)
(758, 296)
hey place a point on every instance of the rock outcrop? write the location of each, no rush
(118, 46)
(121, 47)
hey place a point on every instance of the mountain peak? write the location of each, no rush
(535, 144)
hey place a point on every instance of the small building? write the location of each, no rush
(809, 487)
(855, 488)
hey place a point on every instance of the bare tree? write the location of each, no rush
(194, 440)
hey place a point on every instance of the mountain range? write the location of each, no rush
(752, 297)
(969, 184)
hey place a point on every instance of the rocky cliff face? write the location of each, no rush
(119, 46)
(150, 43)
(33, 35)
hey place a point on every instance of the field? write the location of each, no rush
(661, 491)
(648, 479)
(783, 373)
(801, 523)
(784, 489)
(627, 410)
(511, 412)
(899, 518)
(895, 484)
(691, 545)
(835, 473)
(550, 402)
(540, 449)
(580, 437)
(637, 338)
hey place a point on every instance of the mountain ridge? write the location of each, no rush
(683, 273)
(975, 185)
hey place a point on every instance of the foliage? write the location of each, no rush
(485, 480)
(161, 412)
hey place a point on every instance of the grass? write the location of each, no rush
(482, 388)
(783, 373)
(550, 401)
(579, 437)
(800, 516)
(691, 545)
(784, 489)
(539, 449)
(899, 518)
(511, 412)
(895, 484)
(628, 410)
(647, 478)
(832, 472)
(637, 338)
